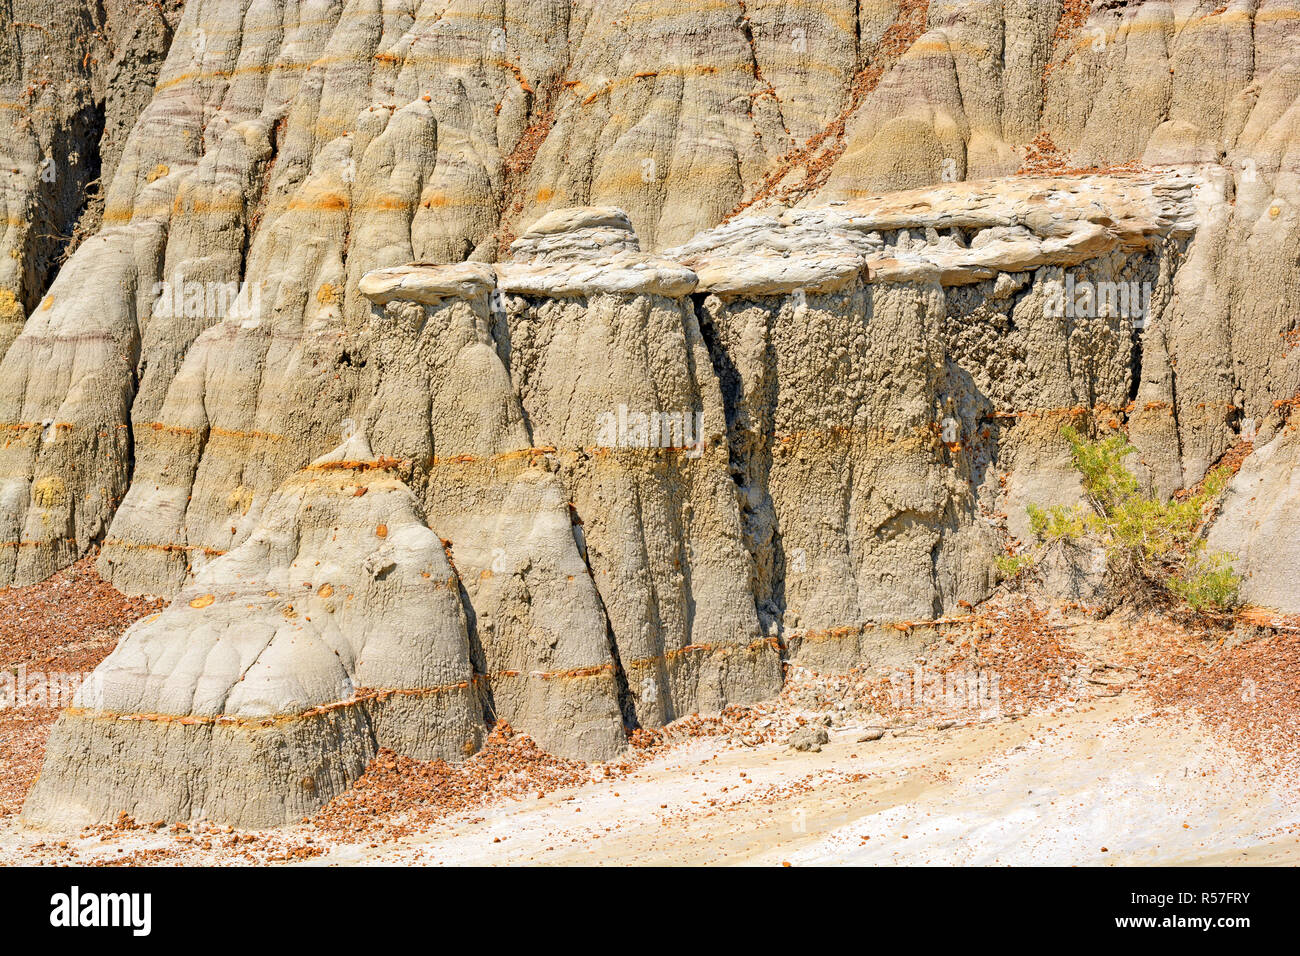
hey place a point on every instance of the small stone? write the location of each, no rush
(807, 738)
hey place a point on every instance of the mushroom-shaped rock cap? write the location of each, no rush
(624, 273)
(427, 283)
(578, 232)
(956, 234)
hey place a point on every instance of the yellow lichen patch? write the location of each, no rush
(328, 294)
(241, 499)
(158, 172)
(273, 594)
(49, 492)
(202, 601)
(10, 308)
(47, 303)
(381, 531)
(326, 590)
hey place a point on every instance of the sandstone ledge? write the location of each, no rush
(955, 235)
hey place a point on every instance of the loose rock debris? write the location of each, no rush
(1036, 660)
(64, 625)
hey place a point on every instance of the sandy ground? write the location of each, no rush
(1098, 787)
(1103, 783)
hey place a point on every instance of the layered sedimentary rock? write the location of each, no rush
(787, 415)
(73, 78)
(445, 403)
(651, 473)
(897, 371)
(591, 351)
(598, 577)
(267, 685)
(361, 136)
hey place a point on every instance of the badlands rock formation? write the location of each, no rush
(74, 76)
(242, 698)
(615, 320)
(897, 375)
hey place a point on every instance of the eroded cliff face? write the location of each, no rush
(74, 76)
(898, 375)
(649, 478)
(729, 400)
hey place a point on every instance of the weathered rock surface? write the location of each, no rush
(74, 76)
(645, 511)
(1259, 517)
(729, 399)
(267, 685)
(896, 376)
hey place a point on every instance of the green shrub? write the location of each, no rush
(1058, 523)
(1152, 546)
(1011, 566)
(1208, 582)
